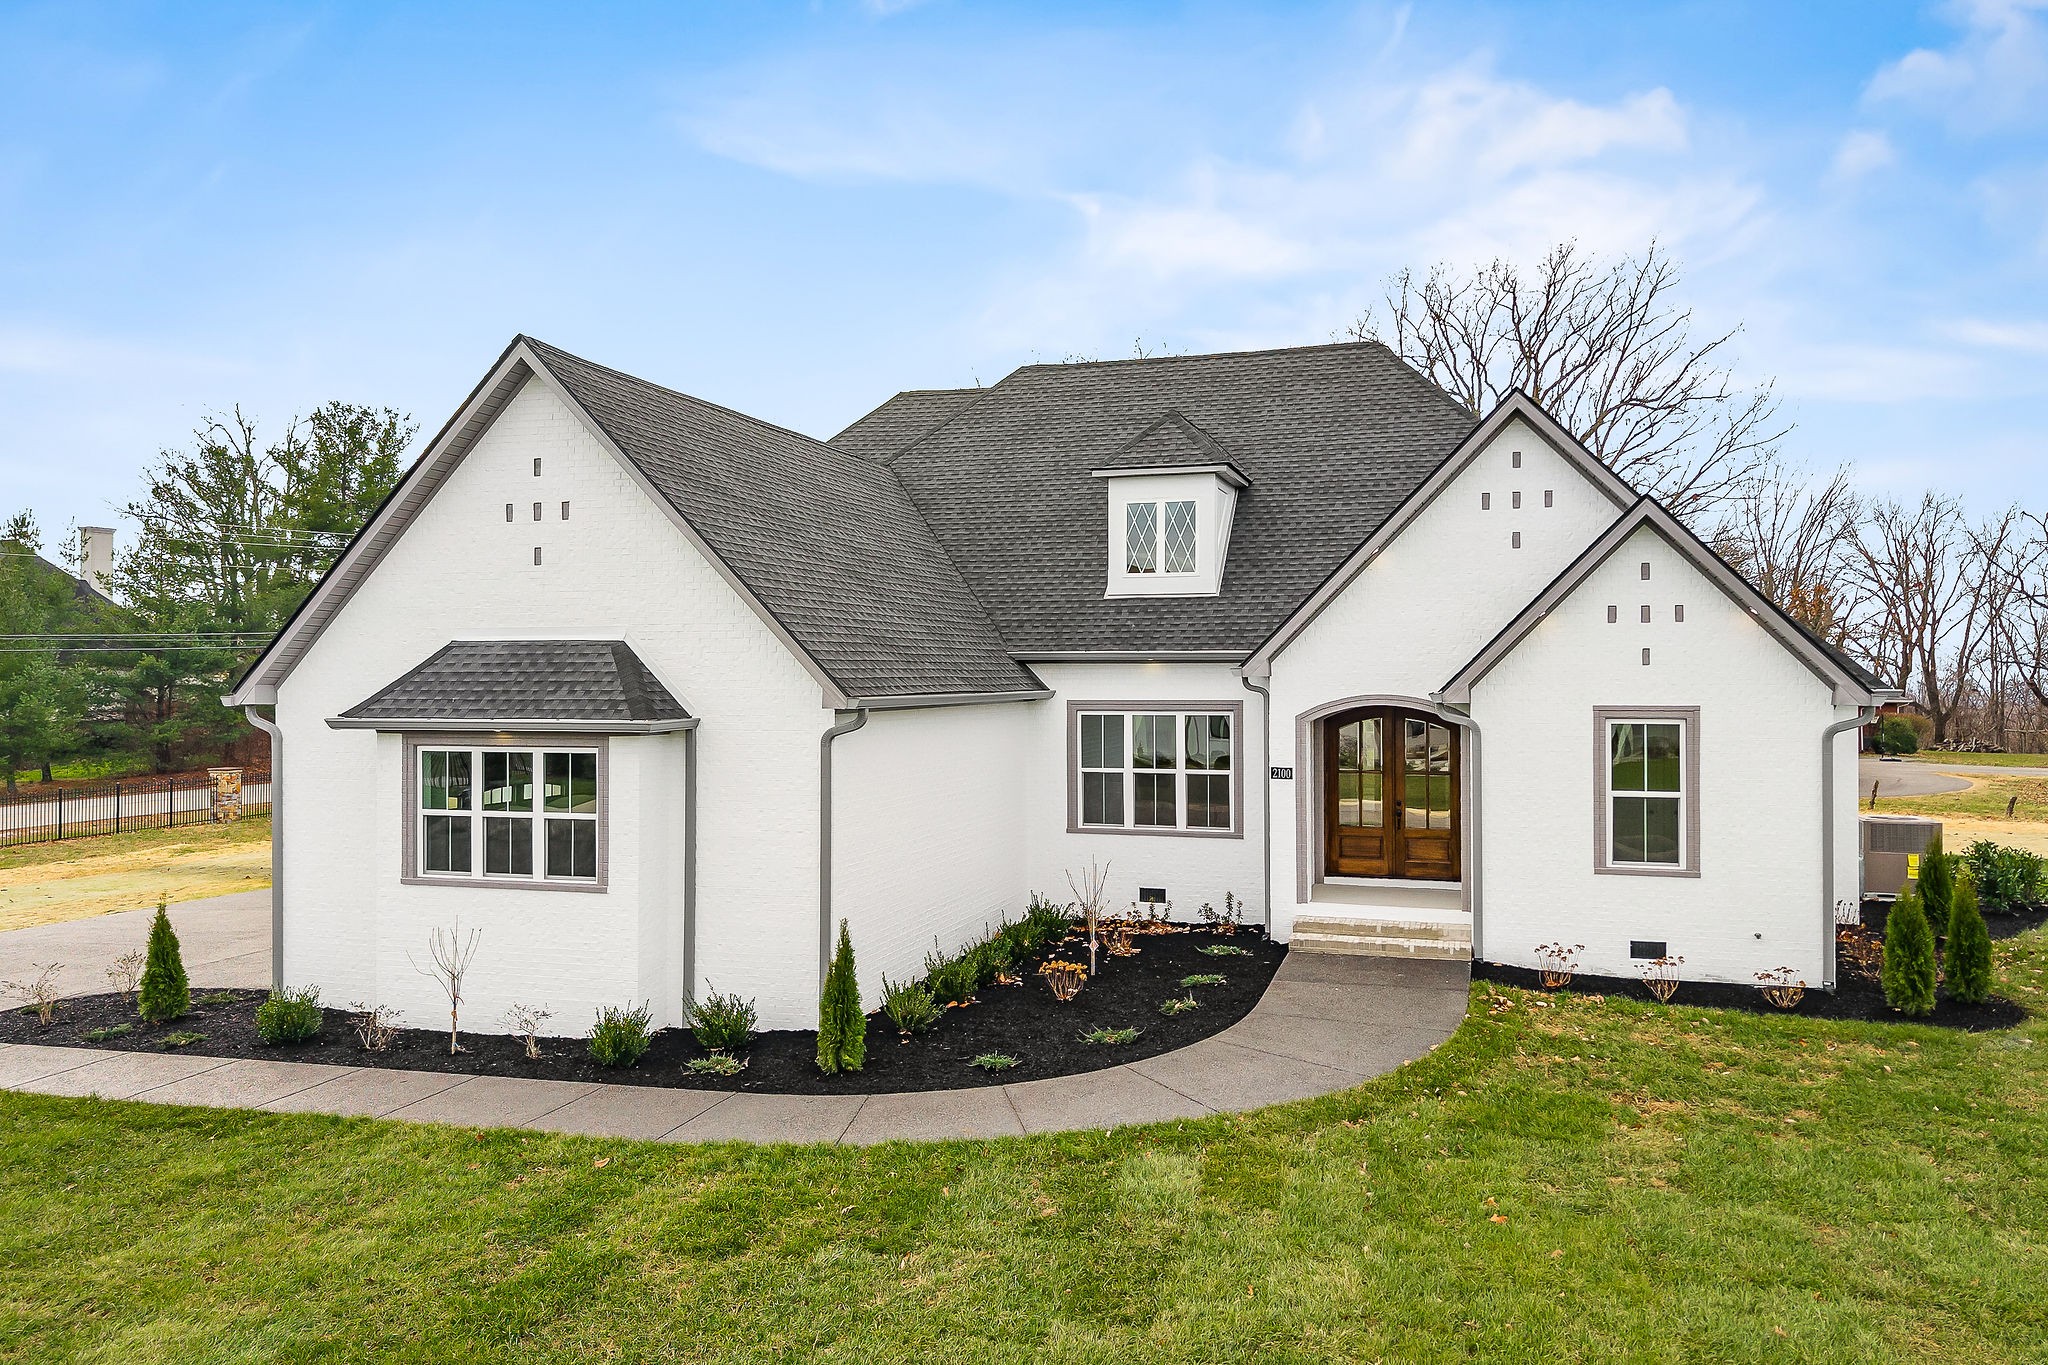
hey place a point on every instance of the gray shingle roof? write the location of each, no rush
(527, 680)
(901, 420)
(1331, 437)
(828, 542)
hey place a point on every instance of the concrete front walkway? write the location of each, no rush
(1326, 1023)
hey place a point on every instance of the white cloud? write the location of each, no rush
(1860, 153)
(1992, 76)
(2028, 337)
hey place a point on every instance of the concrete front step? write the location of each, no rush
(1439, 939)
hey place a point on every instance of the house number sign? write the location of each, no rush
(1283, 774)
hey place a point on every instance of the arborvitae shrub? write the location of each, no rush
(842, 1028)
(164, 994)
(1937, 884)
(1969, 947)
(1908, 973)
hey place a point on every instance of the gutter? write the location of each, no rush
(512, 724)
(269, 727)
(1266, 793)
(853, 721)
(918, 700)
(1864, 715)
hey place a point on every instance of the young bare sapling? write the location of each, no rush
(125, 972)
(1088, 895)
(450, 953)
(374, 1025)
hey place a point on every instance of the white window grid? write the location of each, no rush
(506, 813)
(1676, 793)
(1156, 770)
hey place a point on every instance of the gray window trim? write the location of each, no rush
(1234, 709)
(408, 804)
(1603, 716)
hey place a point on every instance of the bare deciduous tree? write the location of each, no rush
(1795, 542)
(1605, 350)
(451, 953)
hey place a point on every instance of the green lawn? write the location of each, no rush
(1986, 798)
(1565, 1180)
(1981, 760)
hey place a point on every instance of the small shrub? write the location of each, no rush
(1937, 884)
(1224, 950)
(374, 1026)
(717, 1064)
(910, 1007)
(1204, 979)
(1117, 934)
(1908, 971)
(102, 1035)
(163, 993)
(1064, 978)
(38, 994)
(722, 1022)
(1896, 735)
(1782, 987)
(1180, 1004)
(621, 1036)
(1660, 975)
(994, 1061)
(1045, 922)
(950, 980)
(842, 1026)
(182, 1038)
(2007, 878)
(1969, 947)
(1226, 920)
(1556, 963)
(1104, 1034)
(124, 971)
(524, 1023)
(289, 1016)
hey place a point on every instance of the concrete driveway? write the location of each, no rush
(225, 941)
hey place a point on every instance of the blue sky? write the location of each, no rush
(798, 210)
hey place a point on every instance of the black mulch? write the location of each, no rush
(1023, 1021)
(1859, 949)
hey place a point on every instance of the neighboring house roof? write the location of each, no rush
(1853, 683)
(901, 420)
(573, 684)
(1330, 438)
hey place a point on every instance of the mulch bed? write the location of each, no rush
(1859, 949)
(1023, 1021)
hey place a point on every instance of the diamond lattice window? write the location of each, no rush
(1180, 537)
(1141, 538)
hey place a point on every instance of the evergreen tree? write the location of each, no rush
(1908, 972)
(1937, 885)
(1969, 946)
(164, 993)
(842, 1027)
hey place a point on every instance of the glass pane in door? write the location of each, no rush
(1360, 774)
(1426, 774)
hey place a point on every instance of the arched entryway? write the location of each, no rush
(1390, 794)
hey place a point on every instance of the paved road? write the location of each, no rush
(225, 941)
(1902, 779)
(1978, 769)
(1326, 1023)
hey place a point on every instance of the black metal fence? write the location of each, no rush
(39, 816)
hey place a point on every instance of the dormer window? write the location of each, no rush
(1142, 524)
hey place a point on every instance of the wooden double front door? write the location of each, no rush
(1390, 795)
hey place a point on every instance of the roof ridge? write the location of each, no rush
(1201, 355)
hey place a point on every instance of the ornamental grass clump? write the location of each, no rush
(1180, 1004)
(163, 994)
(621, 1035)
(1969, 946)
(910, 1007)
(842, 1026)
(717, 1064)
(289, 1016)
(1111, 1036)
(721, 1023)
(1203, 979)
(1908, 971)
(994, 1061)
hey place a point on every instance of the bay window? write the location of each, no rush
(505, 813)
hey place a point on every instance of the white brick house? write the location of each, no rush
(653, 693)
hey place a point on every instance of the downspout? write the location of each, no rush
(690, 864)
(269, 727)
(854, 720)
(1266, 794)
(1863, 716)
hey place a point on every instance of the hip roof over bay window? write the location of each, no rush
(591, 686)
